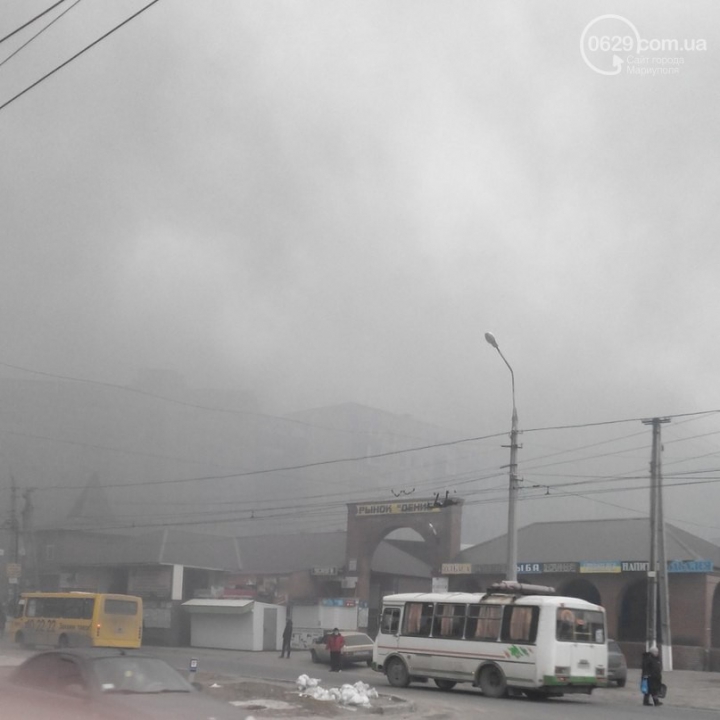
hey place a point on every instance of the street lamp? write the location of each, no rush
(511, 569)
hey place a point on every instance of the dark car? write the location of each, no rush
(103, 684)
(358, 649)
(617, 665)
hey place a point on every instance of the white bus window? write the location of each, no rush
(580, 626)
(31, 608)
(449, 621)
(390, 622)
(522, 627)
(484, 622)
(418, 619)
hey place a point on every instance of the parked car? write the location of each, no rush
(358, 648)
(617, 665)
(103, 684)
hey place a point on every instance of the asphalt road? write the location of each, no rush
(458, 704)
(429, 702)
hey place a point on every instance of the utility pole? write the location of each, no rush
(14, 524)
(31, 557)
(511, 563)
(657, 583)
(15, 530)
(665, 634)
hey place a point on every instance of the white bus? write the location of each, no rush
(510, 639)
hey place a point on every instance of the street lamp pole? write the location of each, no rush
(511, 568)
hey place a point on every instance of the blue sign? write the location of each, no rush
(690, 566)
(528, 568)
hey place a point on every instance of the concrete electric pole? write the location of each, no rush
(657, 585)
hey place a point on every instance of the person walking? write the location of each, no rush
(287, 638)
(651, 676)
(335, 643)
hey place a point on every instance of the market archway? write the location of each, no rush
(437, 521)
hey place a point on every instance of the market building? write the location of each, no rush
(607, 562)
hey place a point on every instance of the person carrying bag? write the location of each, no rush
(651, 684)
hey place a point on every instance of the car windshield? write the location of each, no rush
(137, 675)
(358, 640)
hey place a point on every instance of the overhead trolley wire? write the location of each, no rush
(78, 54)
(30, 22)
(39, 32)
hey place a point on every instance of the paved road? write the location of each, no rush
(689, 692)
(691, 695)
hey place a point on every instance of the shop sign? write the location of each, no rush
(339, 602)
(635, 566)
(457, 569)
(560, 567)
(529, 568)
(324, 571)
(440, 585)
(601, 567)
(690, 566)
(396, 508)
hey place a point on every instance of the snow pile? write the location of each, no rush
(305, 681)
(358, 694)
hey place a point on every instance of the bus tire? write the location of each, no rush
(445, 684)
(492, 681)
(63, 641)
(397, 673)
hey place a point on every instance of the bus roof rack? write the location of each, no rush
(511, 587)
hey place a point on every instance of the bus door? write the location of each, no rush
(117, 622)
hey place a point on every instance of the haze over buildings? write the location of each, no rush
(317, 209)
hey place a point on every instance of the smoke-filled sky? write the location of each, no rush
(331, 201)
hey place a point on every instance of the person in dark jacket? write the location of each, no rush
(652, 671)
(287, 638)
(335, 643)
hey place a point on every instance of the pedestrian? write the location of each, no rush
(3, 620)
(651, 677)
(335, 643)
(287, 638)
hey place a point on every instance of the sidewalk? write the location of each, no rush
(686, 688)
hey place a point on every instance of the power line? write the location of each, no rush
(78, 54)
(40, 32)
(197, 406)
(283, 468)
(30, 22)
